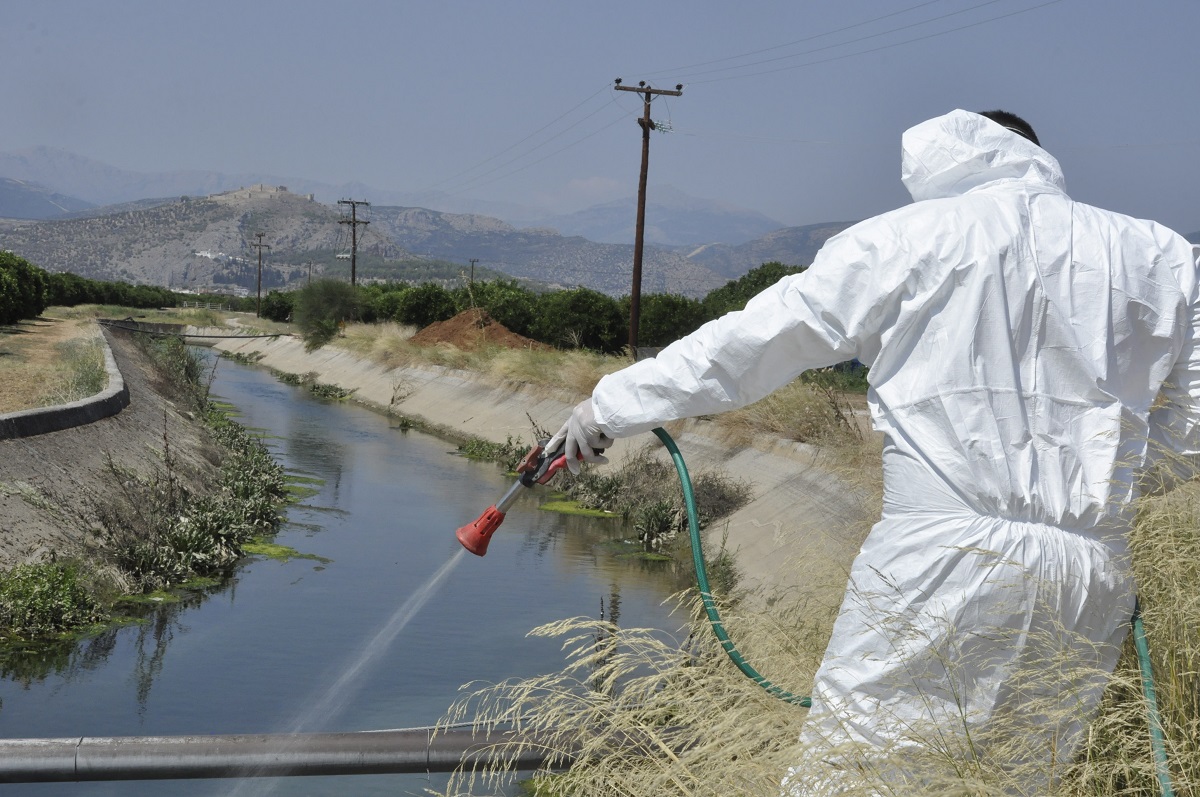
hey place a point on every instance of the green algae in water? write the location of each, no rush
(300, 486)
(280, 553)
(566, 507)
(299, 492)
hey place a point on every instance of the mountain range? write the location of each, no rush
(673, 218)
(66, 212)
(691, 243)
(206, 243)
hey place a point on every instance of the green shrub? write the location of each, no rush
(665, 317)
(277, 306)
(38, 600)
(321, 307)
(23, 291)
(504, 300)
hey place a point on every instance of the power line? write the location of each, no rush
(512, 146)
(473, 182)
(868, 51)
(479, 180)
(681, 69)
(546, 157)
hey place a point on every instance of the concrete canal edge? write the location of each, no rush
(800, 531)
(105, 404)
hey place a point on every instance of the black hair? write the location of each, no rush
(1012, 122)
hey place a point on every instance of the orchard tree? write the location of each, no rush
(733, 295)
(665, 317)
(580, 318)
(425, 304)
(26, 293)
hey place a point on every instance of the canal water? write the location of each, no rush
(322, 645)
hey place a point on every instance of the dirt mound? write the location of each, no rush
(473, 329)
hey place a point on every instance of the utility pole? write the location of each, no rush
(474, 260)
(259, 246)
(353, 221)
(647, 124)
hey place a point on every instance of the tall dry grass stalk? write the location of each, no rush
(1165, 547)
(651, 713)
(647, 713)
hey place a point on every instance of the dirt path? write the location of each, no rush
(49, 483)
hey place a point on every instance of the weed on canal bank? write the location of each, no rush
(154, 532)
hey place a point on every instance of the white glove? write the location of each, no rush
(579, 436)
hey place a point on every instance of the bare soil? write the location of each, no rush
(473, 329)
(50, 483)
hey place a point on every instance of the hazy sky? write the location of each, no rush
(791, 108)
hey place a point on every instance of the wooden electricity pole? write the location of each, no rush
(259, 246)
(647, 124)
(353, 221)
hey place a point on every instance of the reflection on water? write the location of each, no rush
(256, 653)
(149, 628)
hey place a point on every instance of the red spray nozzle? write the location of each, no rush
(536, 468)
(476, 536)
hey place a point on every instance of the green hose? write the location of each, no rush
(714, 618)
(710, 608)
(1157, 742)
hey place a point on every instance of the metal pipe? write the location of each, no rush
(411, 750)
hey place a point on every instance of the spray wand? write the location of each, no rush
(537, 467)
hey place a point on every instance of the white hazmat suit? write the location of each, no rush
(1017, 341)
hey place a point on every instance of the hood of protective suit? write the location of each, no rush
(953, 154)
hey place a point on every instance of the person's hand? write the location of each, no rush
(581, 437)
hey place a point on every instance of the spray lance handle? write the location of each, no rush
(537, 467)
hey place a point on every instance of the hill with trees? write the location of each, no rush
(205, 243)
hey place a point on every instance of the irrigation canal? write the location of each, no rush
(308, 645)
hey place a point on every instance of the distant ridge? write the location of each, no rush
(792, 246)
(674, 218)
(203, 243)
(20, 199)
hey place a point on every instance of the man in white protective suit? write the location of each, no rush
(1028, 355)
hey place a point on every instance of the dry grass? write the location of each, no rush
(49, 361)
(388, 345)
(794, 412)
